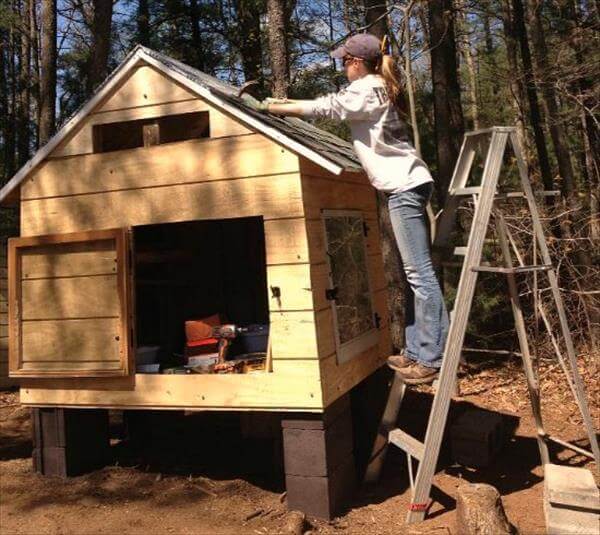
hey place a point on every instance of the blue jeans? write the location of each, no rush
(426, 315)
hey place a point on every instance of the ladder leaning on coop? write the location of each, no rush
(483, 195)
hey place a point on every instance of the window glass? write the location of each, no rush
(349, 275)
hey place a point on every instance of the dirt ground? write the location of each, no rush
(205, 476)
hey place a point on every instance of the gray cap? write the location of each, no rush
(362, 45)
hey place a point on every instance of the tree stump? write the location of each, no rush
(479, 511)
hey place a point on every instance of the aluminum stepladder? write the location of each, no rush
(484, 195)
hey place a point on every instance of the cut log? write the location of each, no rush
(479, 511)
(295, 523)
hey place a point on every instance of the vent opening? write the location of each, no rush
(148, 132)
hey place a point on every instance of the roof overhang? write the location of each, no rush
(9, 194)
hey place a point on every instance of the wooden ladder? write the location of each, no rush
(483, 195)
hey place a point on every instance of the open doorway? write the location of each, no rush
(196, 272)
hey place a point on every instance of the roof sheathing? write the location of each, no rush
(323, 148)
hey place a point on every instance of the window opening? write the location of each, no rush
(148, 132)
(349, 292)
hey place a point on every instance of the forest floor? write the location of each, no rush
(226, 484)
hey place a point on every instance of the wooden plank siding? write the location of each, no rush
(5, 381)
(185, 162)
(71, 305)
(81, 141)
(145, 94)
(235, 173)
(144, 86)
(351, 191)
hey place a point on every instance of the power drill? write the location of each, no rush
(225, 334)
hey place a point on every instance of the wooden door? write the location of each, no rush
(70, 307)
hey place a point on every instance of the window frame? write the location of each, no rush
(346, 351)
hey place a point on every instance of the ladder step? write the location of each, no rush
(515, 269)
(460, 251)
(471, 190)
(407, 443)
(491, 129)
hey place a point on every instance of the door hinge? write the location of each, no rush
(365, 228)
(377, 320)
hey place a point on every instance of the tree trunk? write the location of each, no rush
(143, 23)
(197, 43)
(249, 44)
(376, 10)
(514, 77)
(534, 109)
(48, 71)
(394, 272)
(479, 511)
(467, 53)
(557, 132)
(449, 122)
(4, 104)
(593, 179)
(410, 81)
(23, 105)
(101, 28)
(276, 29)
(489, 8)
(10, 139)
(546, 82)
(35, 68)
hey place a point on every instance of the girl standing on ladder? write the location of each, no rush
(371, 105)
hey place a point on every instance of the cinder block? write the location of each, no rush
(317, 452)
(320, 474)
(476, 437)
(69, 442)
(571, 501)
(322, 497)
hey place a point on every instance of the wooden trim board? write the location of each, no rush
(261, 391)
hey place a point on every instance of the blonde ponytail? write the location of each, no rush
(387, 67)
(388, 70)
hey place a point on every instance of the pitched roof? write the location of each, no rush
(319, 146)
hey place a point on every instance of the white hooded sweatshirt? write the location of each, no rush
(380, 138)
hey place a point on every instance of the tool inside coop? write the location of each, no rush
(201, 296)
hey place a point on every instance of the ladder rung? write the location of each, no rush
(483, 131)
(476, 190)
(460, 251)
(521, 194)
(471, 190)
(568, 445)
(515, 269)
(407, 443)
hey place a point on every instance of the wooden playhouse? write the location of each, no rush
(165, 198)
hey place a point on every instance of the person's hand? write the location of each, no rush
(255, 104)
(272, 100)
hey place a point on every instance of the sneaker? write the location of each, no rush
(398, 362)
(418, 374)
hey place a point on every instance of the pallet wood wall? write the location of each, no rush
(235, 174)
